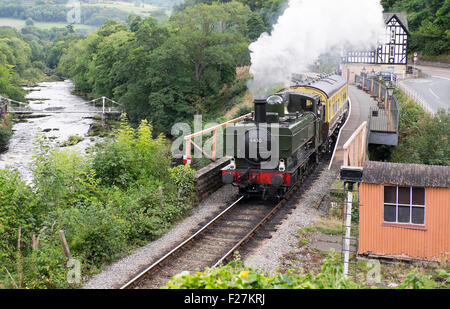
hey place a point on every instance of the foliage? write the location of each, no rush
(133, 157)
(63, 178)
(236, 276)
(265, 13)
(419, 132)
(164, 74)
(45, 266)
(183, 177)
(17, 207)
(5, 131)
(94, 233)
(417, 280)
(103, 219)
(429, 23)
(56, 11)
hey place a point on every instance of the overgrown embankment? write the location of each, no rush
(5, 131)
(423, 139)
(107, 203)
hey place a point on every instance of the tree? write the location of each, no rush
(428, 20)
(29, 22)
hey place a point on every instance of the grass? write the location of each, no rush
(392, 275)
(129, 7)
(72, 141)
(329, 226)
(19, 24)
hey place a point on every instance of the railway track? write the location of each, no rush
(215, 243)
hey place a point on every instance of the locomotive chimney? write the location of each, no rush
(260, 111)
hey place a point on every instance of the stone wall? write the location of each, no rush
(209, 179)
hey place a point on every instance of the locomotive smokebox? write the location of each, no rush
(260, 110)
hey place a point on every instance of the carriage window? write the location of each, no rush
(307, 105)
(404, 205)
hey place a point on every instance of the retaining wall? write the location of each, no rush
(209, 179)
(434, 64)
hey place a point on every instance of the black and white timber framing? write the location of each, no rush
(395, 51)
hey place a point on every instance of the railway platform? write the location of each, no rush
(361, 104)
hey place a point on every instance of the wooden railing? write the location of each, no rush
(355, 149)
(189, 140)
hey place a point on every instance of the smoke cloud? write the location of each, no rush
(307, 29)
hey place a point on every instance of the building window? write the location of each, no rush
(404, 205)
(392, 51)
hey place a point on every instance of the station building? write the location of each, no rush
(391, 56)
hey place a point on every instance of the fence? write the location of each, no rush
(355, 149)
(385, 116)
(189, 140)
(416, 98)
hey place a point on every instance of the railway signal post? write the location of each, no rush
(350, 175)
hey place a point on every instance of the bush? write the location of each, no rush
(133, 156)
(64, 178)
(102, 217)
(5, 132)
(95, 234)
(45, 267)
(141, 213)
(18, 208)
(236, 276)
(183, 177)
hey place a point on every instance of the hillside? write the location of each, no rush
(91, 12)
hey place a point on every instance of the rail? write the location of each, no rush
(142, 278)
(181, 246)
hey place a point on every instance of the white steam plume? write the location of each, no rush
(307, 29)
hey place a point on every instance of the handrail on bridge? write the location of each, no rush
(6, 106)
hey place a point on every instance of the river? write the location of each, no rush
(56, 127)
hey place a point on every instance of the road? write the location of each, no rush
(435, 90)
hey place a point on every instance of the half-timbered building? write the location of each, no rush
(390, 55)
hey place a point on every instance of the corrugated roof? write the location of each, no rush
(418, 175)
(401, 17)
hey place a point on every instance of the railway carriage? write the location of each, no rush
(288, 133)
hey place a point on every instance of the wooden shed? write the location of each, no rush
(405, 211)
